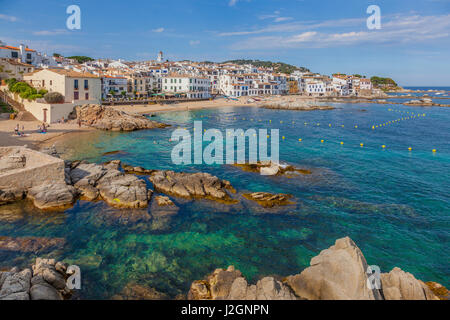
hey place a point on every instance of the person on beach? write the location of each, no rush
(16, 130)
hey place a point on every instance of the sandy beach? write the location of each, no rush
(32, 138)
(184, 106)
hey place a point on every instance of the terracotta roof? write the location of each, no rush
(73, 74)
(17, 63)
(15, 48)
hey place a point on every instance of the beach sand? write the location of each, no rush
(32, 138)
(184, 106)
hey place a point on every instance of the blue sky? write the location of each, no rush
(326, 36)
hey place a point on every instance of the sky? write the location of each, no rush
(326, 36)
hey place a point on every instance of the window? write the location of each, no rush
(75, 95)
(86, 96)
(51, 82)
(14, 54)
(29, 56)
(86, 84)
(75, 84)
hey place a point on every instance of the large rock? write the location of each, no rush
(231, 285)
(192, 185)
(337, 273)
(265, 289)
(269, 200)
(15, 285)
(9, 195)
(49, 280)
(400, 285)
(108, 118)
(123, 190)
(52, 196)
(115, 187)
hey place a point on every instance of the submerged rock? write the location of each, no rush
(31, 244)
(192, 185)
(137, 170)
(269, 200)
(164, 201)
(108, 118)
(133, 291)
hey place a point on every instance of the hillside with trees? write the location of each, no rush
(379, 82)
(80, 59)
(277, 66)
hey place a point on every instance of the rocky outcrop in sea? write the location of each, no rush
(45, 280)
(192, 185)
(337, 273)
(299, 105)
(117, 185)
(108, 118)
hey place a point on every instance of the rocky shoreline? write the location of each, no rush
(118, 187)
(45, 280)
(337, 273)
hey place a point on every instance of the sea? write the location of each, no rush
(380, 174)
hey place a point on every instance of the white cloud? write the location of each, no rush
(396, 30)
(232, 2)
(158, 30)
(297, 26)
(50, 32)
(8, 18)
(305, 36)
(281, 19)
(194, 42)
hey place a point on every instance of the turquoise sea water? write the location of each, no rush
(394, 203)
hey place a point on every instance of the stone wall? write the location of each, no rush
(35, 169)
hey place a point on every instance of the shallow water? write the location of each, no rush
(394, 203)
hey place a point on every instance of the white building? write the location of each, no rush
(315, 88)
(192, 87)
(115, 84)
(23, 53)
(340, 85)
(74, 86)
